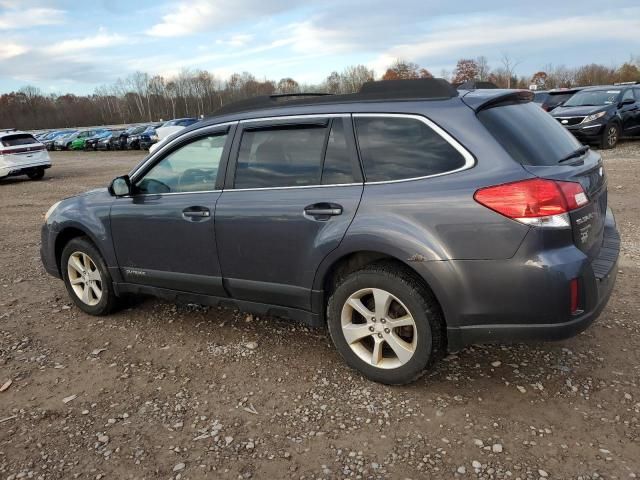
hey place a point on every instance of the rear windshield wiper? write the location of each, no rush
(575, 154)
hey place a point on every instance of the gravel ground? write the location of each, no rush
(164, 391)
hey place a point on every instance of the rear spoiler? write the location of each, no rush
(479, 100)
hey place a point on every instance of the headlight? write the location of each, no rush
(50, 211)
(595, 116)
(154, 138)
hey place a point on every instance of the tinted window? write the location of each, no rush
(593, 98)
(338, 166)
(191, 168)
(280, 157)
(395, 148)
(530, 135)
(19, 139)
(540, 97)
(627, 94)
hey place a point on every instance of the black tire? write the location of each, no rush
(419, 302)
(108, 301)
(36, 174)
(610, 136)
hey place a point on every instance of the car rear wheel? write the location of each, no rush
(385, 324)
(36, 174)
(87, 278)
(610, 136)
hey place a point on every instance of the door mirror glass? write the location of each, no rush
(120, 186)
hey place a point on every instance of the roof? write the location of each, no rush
(414, 89)
(607, 87)
(4, 132)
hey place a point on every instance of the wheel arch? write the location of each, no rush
(65, 236)
(332, 270)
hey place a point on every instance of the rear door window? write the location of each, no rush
(399, 148)
(287, 156)
(530, 135)
(18, 139)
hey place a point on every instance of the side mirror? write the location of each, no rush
(628, 101)
(120, 186)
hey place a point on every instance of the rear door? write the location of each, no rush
(629, 112)
(293, 187)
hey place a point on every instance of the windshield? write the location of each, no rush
(529, 134)
(593, 98)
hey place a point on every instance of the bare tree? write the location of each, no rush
(509, 65)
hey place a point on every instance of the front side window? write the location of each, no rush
(628, 94)
(281, 157)
(398, 148)
(191, 168)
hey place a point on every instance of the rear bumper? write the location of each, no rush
(13, 170)
(547, 317)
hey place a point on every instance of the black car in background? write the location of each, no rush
(109, 142)
(124, 136)
(92, 142)
(550, 99)
(601, 115)
(148, 138)
(134, 139)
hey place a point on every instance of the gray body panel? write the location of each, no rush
(494, 278)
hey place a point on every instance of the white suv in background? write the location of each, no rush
(22, 154)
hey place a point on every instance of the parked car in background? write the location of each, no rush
(601, 115)
(91, 143)
(124, 136)
(110, 142)
(49, 140)
(550, 99)
(148, 138)
(171, 127)
(135, 138)
(79, 143)
(65, 141)
(409, 218)
(22, 154)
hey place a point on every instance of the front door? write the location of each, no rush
(293, 187)
(163, 233)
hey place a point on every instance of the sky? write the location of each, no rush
(75, 46)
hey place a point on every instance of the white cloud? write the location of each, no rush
(202, 15)
(101, 40)
(9, 50)
(239, 40)
(17, 18)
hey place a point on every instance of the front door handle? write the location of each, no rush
(322, 211)
(195, 213)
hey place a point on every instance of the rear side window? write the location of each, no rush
(397, 148)
(530, 135)
(281, 157)
(18, 139)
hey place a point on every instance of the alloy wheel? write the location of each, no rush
(84, 278)
(379, 328)
(612, 136)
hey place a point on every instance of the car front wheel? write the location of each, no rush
(610, 136)
(385, 324)
(87, 278)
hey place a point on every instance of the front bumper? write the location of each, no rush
(544, 317)
(48, 251)
(588, 132)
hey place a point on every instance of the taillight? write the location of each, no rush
(536, 201)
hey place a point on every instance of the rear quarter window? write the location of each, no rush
(529, 134)
(400, 148)
(18, 139)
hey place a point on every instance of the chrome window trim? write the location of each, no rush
(133, 174)
(469, 160)
(294, 187)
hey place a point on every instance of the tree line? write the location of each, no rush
(141, 97)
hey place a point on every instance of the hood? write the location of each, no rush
(562, 111)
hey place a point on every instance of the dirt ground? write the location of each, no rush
(164, 391)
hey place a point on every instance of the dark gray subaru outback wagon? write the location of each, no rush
(409, 217)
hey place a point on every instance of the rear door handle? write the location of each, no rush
(196, 213)
(322, 211)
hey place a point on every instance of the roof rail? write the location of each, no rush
(626, 83)
(413, 89)
(264, 101)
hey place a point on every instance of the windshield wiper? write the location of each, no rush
(575, 154)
